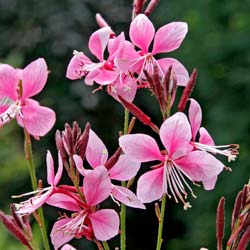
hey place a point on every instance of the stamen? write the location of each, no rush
(11, 112)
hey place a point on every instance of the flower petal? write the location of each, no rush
(34, 78)
(124, 169)
(38, 120)
(140, 147)
(141, 32)
(175, 135)
(63, 201)
(68, 247)
(97, 186)
(58, 236)
(150, 186)
(50, 168)
(127, 197)
(205, 137)
(79, 165)
(169, 37)
(114, 45)
(8, 81)
(105, 223)
(75, 69)
(96, 152)
(195, 117)
(179, 70)
(210, 184)
(59, 170)
(200, 165)
(98, 42)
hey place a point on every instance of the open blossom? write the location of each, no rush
(32, 204)
(167, 38)
(124, 169)
(206, 142)
(16, 88)
(87, 220)
(178, 162)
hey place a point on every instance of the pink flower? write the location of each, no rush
(124, 169)
(32, 204)
(178, 161)
(16, 88)
(100, 224)
(168, 38)
(68, 247)
(206, 142)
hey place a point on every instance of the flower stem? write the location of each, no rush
(105, 245)
(160, 227)
(123, 207)
(29, 158)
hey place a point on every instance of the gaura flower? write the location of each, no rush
(87, 220)
(16, 88)
(167, 38)
(124, 169)
(178, 162)
(32, 204)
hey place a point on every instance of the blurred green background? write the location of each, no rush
(218, 45)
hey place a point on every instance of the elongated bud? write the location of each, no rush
(245, 239)
(157, 211)
(15, 217)
(139, 114)
(113, 159)
(187, 91)
(220, 220)
(236, 210)
(59, 145)
(102, 23)
(81, 144)
(138, 6)
(68, 139)
(151, 6)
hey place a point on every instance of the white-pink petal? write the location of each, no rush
(127, 197)
(205, 137)
(79, 165)
(200, 165)
(169, 37)
(38, 120)
(210, 184)
(58, 236)
(34, 78)
(195, 117)
(151, 185)
(96, 152)
(124, 169)
(114, 45)
(105, 223)
(50, 168)
(141, 32)
(98, 41)
(175, 134)
(140, 147)
(68, 247)
(59, 170)
(97, 186)
(178, 70)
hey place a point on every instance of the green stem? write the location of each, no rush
(29, 157)
(123, 207)
(160, 227)
(105, 245)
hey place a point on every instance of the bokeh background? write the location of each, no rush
(218, 45)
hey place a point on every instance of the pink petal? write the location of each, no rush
(59, 170)
(98, 42)
(141, 32)
(127, 197)
(195, 117)
(210, 184)
(63, 201)
(79, 165)
(68, 247)
(125, 169)
(125, 87)
(114, 46)
(50, 168)
(175, 135)
(59, 237)
(96, 152)
(179, 70)
(101, 76)
(8, 82)
(169, 37)
(105, 224)
(34, 78)
(151, 185)
(200, 165)
(205, 137)
(97, 186)
(38, 120)
(75, 67)
(140, 147)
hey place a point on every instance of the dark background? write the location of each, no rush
(217, 45)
